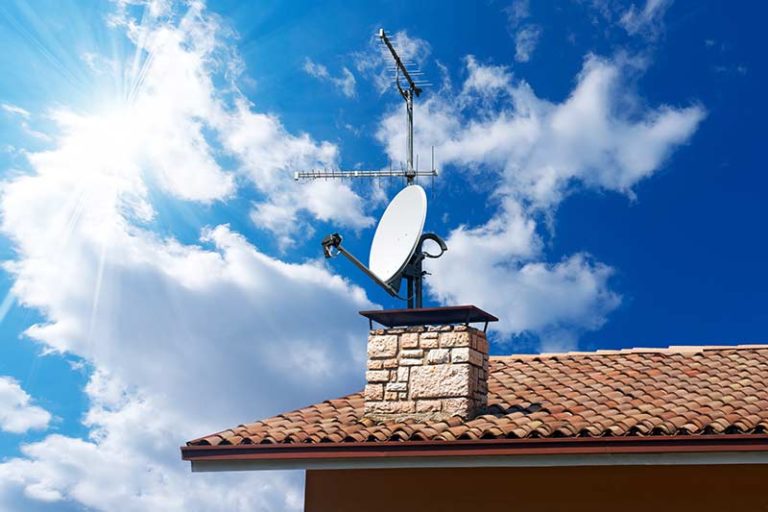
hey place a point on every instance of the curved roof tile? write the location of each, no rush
(638, 392)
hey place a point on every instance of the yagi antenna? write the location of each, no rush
(407, 93)
(408, 87)
(396, 250)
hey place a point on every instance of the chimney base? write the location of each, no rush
(426, 373)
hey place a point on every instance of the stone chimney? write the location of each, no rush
(426, 373)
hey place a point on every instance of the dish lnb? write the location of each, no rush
(397, 250)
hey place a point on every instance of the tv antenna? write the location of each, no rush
(397, 250)
(408, 87)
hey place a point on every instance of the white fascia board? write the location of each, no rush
(503, 461)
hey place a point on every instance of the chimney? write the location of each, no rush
(426, 373)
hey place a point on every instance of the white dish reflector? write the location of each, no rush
(398, 233)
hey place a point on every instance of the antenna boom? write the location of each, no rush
(399, 63)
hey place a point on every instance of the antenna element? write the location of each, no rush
(407, 90)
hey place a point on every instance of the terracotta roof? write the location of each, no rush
(627, 393)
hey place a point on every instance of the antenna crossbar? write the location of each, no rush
(381, 173)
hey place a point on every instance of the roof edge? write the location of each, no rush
(303, 455)
(671, 349)
(503, 461)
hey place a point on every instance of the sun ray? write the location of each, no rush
(8, 302)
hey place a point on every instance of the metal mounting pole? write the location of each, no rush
(419, 282)
(410, 172)
(411, 294)
(414, 271)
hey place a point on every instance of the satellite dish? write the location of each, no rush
(398, 233)
(396, 250)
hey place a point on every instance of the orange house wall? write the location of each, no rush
(571, 489)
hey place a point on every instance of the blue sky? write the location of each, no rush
(601, 187)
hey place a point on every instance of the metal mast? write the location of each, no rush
(407, 91)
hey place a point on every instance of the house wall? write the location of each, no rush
(571, 489)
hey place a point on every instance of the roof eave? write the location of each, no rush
(659, 450)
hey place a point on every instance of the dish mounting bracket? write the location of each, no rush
(413, 272)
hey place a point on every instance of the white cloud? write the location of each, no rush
(648, 20)
(499, 266)
(17, 413)
(131, 463)
(526, 40)
(643, 19)
(345, 83)
(184, 339)
(526, 35)
(16, 110)
(316, 70)
(174, 103)
(536, 152)
(599, 135)
(269, 155)
(203, 333)
(23, 116)
(484, 79)
(518, 11)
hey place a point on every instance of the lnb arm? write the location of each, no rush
(333, 242)
(439, 241)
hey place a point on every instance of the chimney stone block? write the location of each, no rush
(455, 339)
(377, 375)
(440, 381)
(438, 356)
(374, 392)
(429, 340)
(383, 346)
(409, 340)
